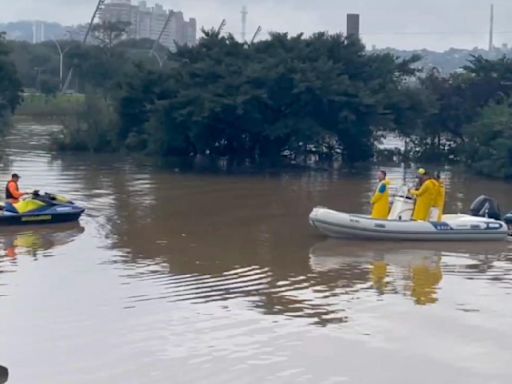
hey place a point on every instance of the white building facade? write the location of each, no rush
(149, 22)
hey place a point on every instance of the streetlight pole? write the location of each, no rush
(157, 56)
(61, 67)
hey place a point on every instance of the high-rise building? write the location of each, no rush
(143, 20)
(191, 31)
(151, 22)
(121, 10)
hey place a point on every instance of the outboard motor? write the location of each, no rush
(485, 206)
(508, 220)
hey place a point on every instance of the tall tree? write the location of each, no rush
(109, 33)
(10, 85)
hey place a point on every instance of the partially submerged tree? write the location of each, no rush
(227, 99)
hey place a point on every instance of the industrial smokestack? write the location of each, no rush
(353, 25)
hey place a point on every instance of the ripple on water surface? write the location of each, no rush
(218, 279)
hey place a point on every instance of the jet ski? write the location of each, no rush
(38, 209)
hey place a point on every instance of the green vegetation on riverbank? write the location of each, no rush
(56, 106)
(323, 94)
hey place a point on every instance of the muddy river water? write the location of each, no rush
(181, 277)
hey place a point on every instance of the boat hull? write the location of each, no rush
(50, 216)
(452, 228)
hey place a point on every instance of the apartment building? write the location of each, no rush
(152, 22)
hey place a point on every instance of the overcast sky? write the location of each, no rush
(434, 24)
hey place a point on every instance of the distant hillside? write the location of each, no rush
(23, 30)
(450, 60)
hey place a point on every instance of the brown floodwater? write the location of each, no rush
(175, 277)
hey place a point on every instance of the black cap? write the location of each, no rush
(15, 176)
(4, 374)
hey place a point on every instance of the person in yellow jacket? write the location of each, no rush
(434, 211)
(440, 201)
(380, 200)
(425, 196)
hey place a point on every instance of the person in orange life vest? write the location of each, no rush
(12, 190)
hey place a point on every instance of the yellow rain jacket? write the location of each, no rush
(440, 199)
(379, 273)
(380, 201)
(425, 198)
(425, 283)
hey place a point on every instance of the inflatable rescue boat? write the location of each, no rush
(482, 224)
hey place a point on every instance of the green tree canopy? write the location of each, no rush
(489, 141)
(228, 99)
(10, 85)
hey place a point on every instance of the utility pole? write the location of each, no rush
(98, 7)
(491, 30)
(157, 41)
(258, 31)
(84, 41)
(167, 21)
(221, 27)
(244, 23)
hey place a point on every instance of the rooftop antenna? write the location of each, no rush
(491, 31)
(244, 23)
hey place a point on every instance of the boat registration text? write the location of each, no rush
(37, 218)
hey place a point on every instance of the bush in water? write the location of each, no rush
(93, 128)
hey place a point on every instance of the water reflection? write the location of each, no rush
(35, 241)
(411, 269)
